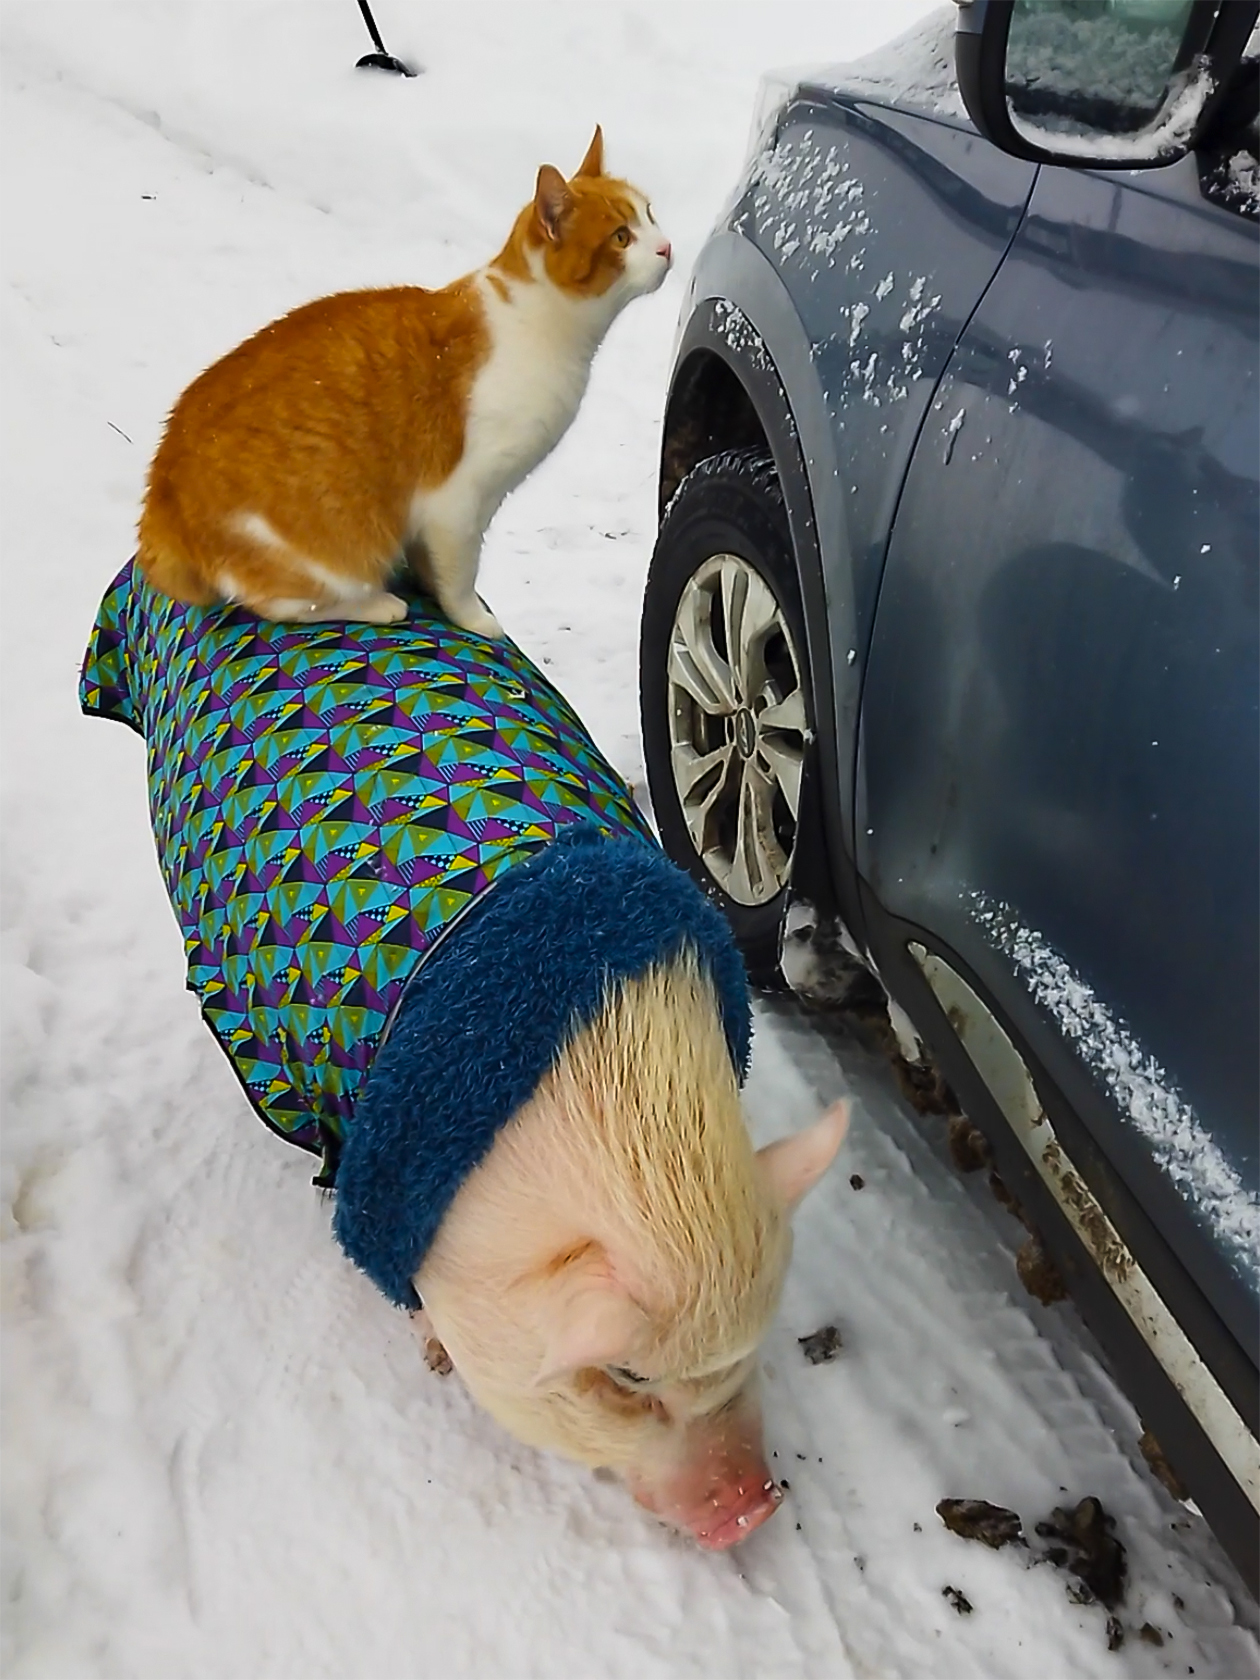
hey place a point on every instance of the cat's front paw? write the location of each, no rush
(384, 609)
(477, 618)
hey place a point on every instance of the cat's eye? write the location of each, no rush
(621, 237)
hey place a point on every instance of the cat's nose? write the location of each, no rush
(665, 249)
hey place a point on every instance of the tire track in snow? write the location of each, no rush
(1010, 1402)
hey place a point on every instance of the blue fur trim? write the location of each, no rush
(487, 1014)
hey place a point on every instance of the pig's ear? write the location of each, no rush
(794, 1164)
(595, 1319)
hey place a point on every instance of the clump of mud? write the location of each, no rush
(1159, 1466)
(1082, 1543)
(1038, 1272)
(968, 1146)
(976, 1519)
(820, 1347)
(1086, 1546)
(922, 1084)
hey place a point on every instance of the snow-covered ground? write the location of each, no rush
(223, 1456)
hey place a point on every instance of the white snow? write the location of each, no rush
(1244, 178)
(741, 335)
(1142, 1089)
(915, 69)
(223, 1457)
(951, 433)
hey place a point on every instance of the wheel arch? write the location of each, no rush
(726, 393)
(709, 412)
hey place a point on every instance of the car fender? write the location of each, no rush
(739, 312)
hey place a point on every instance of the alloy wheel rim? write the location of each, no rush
(737, 727)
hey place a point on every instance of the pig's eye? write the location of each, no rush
(631, 1378)
(623, 1392)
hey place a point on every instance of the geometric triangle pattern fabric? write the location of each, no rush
(326, 799)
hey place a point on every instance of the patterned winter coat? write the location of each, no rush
(340, 812)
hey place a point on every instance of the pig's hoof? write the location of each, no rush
(437, 1358)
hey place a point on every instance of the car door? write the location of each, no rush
(1057, 775)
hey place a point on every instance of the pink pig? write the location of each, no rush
(603, 1280)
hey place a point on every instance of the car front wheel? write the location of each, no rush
(724, 698)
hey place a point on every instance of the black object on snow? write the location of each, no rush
(380, 59)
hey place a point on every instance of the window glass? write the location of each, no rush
(1093, 66)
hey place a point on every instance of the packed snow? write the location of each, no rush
(223, 1455)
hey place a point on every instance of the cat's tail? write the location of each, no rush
(165, 557)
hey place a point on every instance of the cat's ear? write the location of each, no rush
(551, 200)
(593, 162)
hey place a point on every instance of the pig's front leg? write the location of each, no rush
(437, 1358)
(435, 1355)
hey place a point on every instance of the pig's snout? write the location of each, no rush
(726, 1514)
(730, 1524)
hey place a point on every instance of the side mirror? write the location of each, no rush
(1099, 84)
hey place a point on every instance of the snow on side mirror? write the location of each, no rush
(1116, 84)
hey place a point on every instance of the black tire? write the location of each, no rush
(729, 505)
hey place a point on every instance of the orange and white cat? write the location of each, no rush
(373, 427)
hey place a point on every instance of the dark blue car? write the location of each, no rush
(951, 629)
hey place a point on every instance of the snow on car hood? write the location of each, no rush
(915, 70)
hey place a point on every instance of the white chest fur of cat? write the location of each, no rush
(524, 398)
(367, 428)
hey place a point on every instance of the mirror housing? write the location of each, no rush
(1201, 62)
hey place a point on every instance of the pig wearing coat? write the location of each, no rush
(441, 949)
